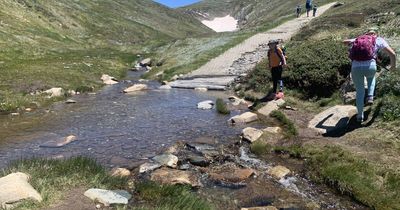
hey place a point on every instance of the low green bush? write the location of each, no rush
(221, 107)
(390, 110)
(317, 68)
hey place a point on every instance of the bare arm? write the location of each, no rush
(348, 41)
(392, 55)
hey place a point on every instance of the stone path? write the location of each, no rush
(222, 70)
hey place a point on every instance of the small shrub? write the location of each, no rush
(317, 68)
(259, 148)
(390, 110)
(389, 82)
(289, 127)
(221, 107)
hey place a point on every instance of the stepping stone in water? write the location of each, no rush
(59, 142)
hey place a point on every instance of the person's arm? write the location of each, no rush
(282, 56)
(269, 60)
(348, 41)
(392, 55)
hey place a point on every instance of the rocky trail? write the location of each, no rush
(218, 73)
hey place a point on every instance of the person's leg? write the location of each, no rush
(371, 79)
(279, 78)
(357, 74)
(274, 74)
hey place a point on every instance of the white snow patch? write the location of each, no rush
(222, 24)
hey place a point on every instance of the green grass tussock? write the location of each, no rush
(377, 188)
(169, 197)
(53, 178)
(289, 129)
(221, 107)
(259, 148)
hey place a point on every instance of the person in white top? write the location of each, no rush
(364, 65)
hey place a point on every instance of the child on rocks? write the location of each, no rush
(277, 62)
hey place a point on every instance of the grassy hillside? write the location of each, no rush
(71, 43)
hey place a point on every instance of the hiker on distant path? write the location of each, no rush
(314, 10)
(308, 7)
(298, 10)
(363, 53)
(277, 62)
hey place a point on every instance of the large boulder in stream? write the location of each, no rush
(230, 173)
(15, 188)
(333, 119)
(205, 105)
(61, 142)
(278, 171)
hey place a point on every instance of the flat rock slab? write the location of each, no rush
(59, 142)
(108, 197)
(233, 174)
(108, 80)
(136, 87)
(14, 188)
(333, 119)
(279, 171)
(274, 130)
(209, 83)
(270, 107)
(55, 92)
(173, 177)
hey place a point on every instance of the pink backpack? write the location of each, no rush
(363, 48)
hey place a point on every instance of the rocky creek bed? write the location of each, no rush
(160, 135)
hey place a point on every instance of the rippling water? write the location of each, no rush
(114, 127)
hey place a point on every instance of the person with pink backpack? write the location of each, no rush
(363, 53)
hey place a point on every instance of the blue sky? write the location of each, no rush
(176, 3)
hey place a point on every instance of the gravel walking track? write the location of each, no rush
(224, 69)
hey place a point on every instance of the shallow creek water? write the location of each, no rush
(114, 127)
(117, 129)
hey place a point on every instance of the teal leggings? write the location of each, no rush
(358, 74)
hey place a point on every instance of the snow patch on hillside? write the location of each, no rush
(222, 24)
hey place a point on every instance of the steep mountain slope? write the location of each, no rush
(40, 22)
(71, 43)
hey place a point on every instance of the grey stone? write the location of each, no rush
(244, 118)
(70, 101)
(165, 87)
(54, 92)
(166, 160)
(108, 197)
(145, 61)
(146, 167)
(273, 130)
(332, 119)
(198, 160)
(15, 188)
